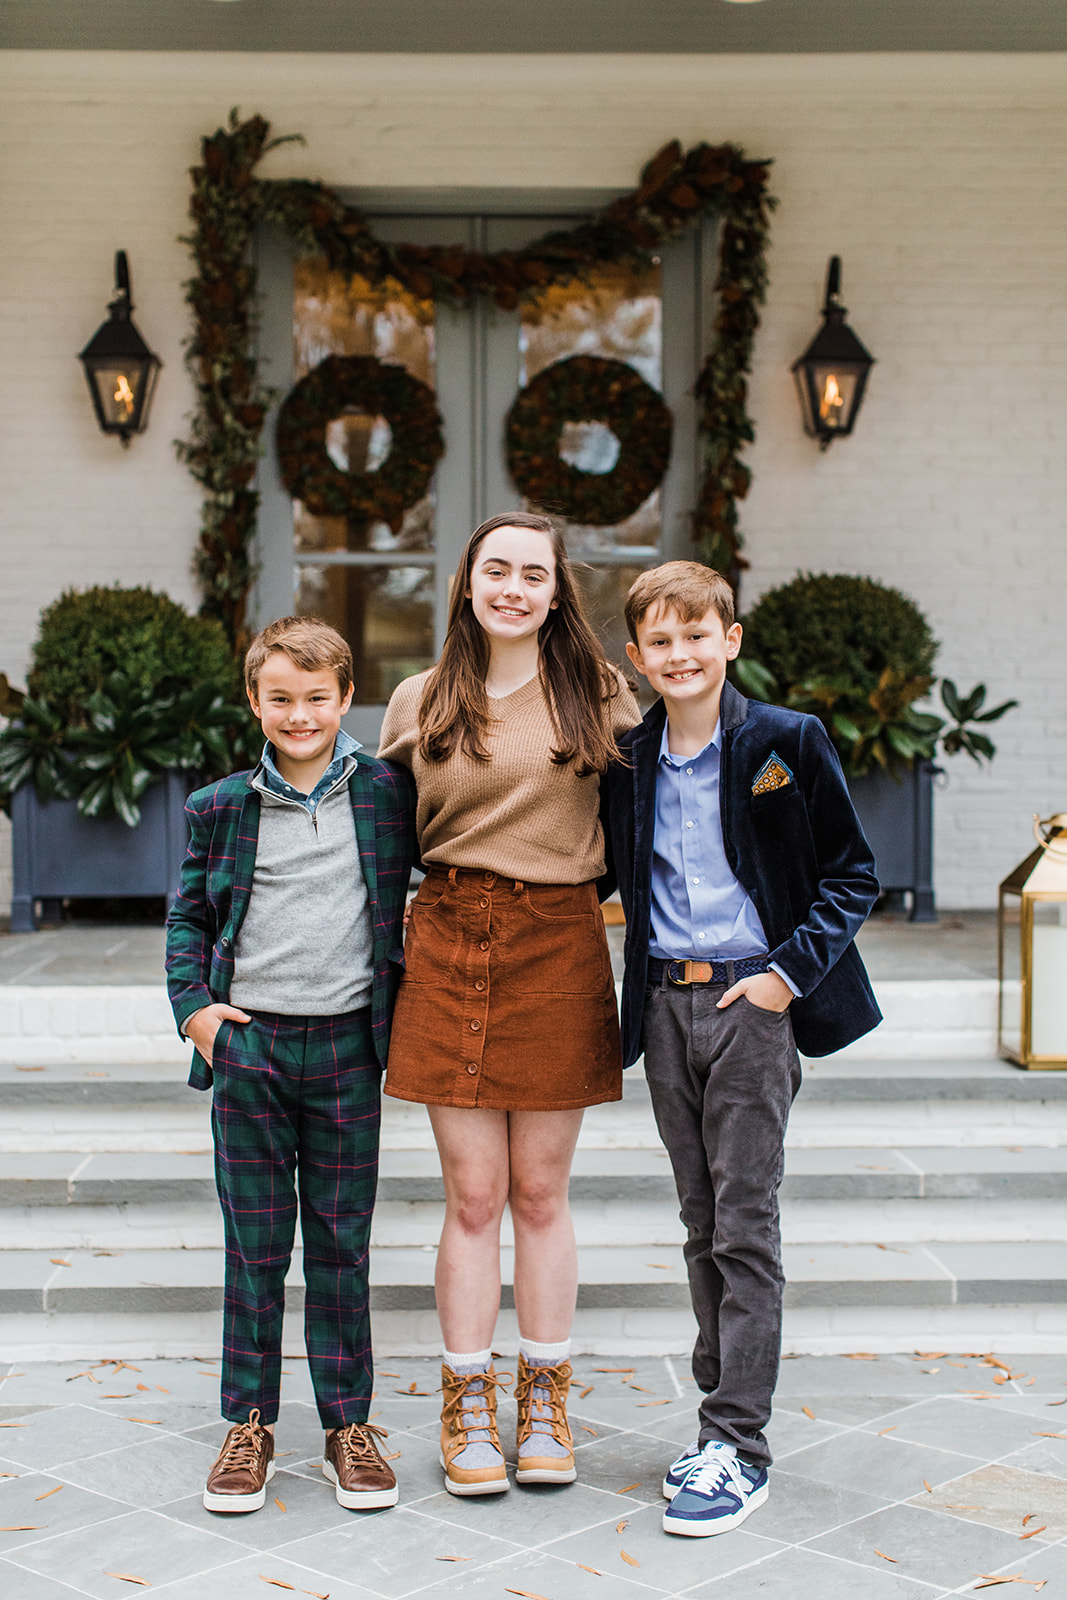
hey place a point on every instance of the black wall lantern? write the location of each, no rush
(832, 373)
(120, 368)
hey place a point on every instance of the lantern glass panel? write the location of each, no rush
(119, 390)
(835, 389)
(1011, 973)
(1048, 988)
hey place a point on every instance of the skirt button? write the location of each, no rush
(476, 1027)
(471, 1068)
(479, 984)
(484, 904)
(484, 945)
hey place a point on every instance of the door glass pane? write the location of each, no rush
(616, 313)
(337, 315)
(385, 613)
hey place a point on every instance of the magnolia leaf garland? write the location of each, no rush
(359, 383)
(677, 188)
(588, 389)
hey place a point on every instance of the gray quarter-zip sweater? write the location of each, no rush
(305, 947)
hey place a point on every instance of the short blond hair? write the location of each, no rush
(687, 588)
(311, 644)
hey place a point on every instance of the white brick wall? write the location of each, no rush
(939, 180)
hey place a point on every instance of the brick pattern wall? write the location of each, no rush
(938, 179)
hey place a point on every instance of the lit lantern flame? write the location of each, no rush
(832, 402)
(124, 394)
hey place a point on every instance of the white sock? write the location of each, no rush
(544, 1355)
(472, 1361)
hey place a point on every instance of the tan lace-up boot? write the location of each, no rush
(545, 1441)
(470, 1443)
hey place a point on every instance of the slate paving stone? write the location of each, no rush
(844, 1410)
(663, 1559)
(968, 1426)
(531, 1515)
(788, 1431)
(1043, 1455)
(624, 1459)
(395, 1552)
(69, 1507)
(13, 1413)
(1049, 1566)
(311, 1509)
(925, 1545)
(1009, 1498)
(19, 1584)
(889, 1468)
(798, 1574)
(244, 1580)
(545, 1574)
(799, 1508)
(68, 1433)
(151, 1474)
(143, 1544)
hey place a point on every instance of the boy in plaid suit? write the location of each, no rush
(284, 952)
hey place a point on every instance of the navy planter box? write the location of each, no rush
(898, 818)
(58, 854)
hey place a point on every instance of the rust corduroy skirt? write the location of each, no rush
(508, 1000)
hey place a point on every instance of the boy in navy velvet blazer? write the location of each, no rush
(745, 877)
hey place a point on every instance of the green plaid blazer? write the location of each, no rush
(216, 882)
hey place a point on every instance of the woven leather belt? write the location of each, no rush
(685, 973)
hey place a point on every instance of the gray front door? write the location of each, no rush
(388, 593)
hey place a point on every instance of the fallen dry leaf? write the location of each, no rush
(642, 1403)
(590, 1430)
(1030, 1515)
(1050, 1435)
(593, 1570)
(1028, 1382)
(57, 1261)
(316, 1595)
(992, 1361)
(808, 1412)
(277, 1582)
(24, 1527)
(884, 1557)
(14, 1424)
(630, 1562)
(628, 1487)
(989, 1579)
(394, 1457)
(8, 1474)
(526, 1594)
(453, 1558)
(143, 1387)
(128, 1396)
(614, 1369)
(1034, 1532)
(931, 1370)
(279, 1503)
(424, 1394)
(587, 1390)
(1062, 1402)
(128, 1577)
(860, 1355)
(29, 1069)
(151, 1422)
(48, 1492)
(161, 1389)
(926, 1486)
(619, 1526)
(893, 1429)
(977, 1394)
(383, 1374)
(639, 1388)
(930, 1355)
(664, 1266)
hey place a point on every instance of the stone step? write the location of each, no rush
(170, 1178)
(937, 1017)
(833, 1276)
(891, 1225)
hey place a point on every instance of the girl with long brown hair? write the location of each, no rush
(506, 1025)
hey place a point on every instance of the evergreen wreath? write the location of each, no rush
(588, 389)
(359, 383)
(677, 188)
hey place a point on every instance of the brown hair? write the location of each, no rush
(577, 680)
(310, 644)
(685, 587)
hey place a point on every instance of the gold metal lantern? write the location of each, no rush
(1032, 938)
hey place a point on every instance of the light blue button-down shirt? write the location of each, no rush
(344, 747)
(699, 910)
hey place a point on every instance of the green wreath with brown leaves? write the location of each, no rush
(359, 383)
(588, 389)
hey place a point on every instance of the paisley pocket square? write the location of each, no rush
(774, 774)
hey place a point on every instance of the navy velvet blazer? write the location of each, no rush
(798, 850)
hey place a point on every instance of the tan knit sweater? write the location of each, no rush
(517, 813)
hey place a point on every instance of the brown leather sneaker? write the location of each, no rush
(353, 1462)
(238, 1480)
(546, 1445)
(470, 1444)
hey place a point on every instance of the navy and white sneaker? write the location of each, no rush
(679, 1470)
(718, 1493)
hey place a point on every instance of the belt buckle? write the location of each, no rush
(689, 973)
(682, 982)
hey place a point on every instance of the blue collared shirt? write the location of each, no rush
(699, 910)
(344, 749)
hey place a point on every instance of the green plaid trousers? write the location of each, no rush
(296, 1111)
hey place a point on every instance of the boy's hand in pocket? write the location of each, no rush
(203, 1025)
(765, 990)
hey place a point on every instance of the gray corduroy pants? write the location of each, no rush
(722, 1083)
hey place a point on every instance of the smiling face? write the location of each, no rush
(685, 661)
(512, 583)
(300, 713)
